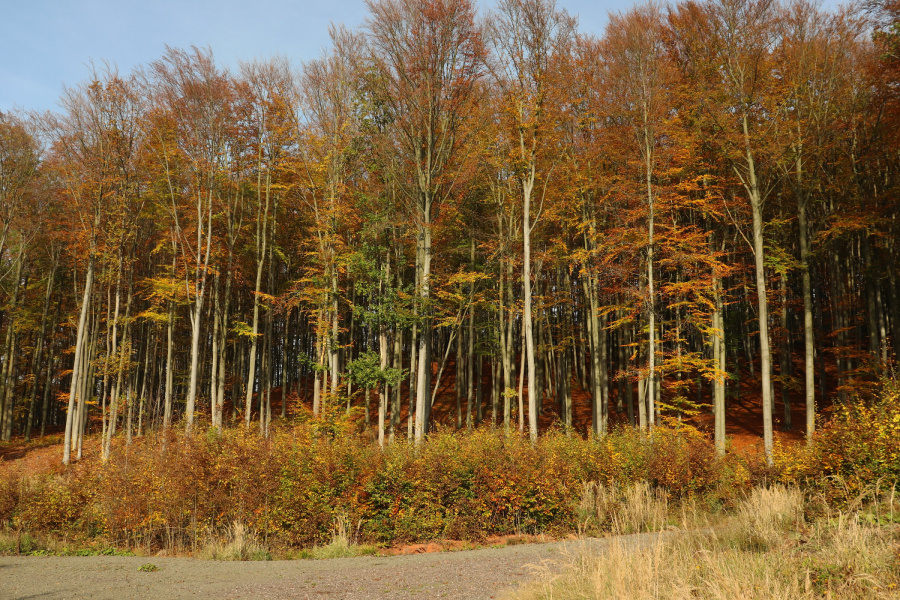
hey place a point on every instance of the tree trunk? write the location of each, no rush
(718, 342)
(527, 325)
(808, 341)
(80, 338)
(39, 350)
(423, 383)
(784, 367)
(7, 398)
(756, 200)
(262, 227)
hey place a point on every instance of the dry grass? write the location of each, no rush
(343, 544)
(768, 514)
(765, 551)
(238, 544)
(635, 508)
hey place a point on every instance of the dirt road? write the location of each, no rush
(470, 575)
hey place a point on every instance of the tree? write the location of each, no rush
(529, 37)
(19, 164)
(94, 156)
(729, 42)
(195, 106)
(272, 121)
(813, 57)
(635, 55)
(330, 86)
(429, 56)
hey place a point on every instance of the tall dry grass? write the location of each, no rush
(765, 551)
(625, 509)
(237, 543)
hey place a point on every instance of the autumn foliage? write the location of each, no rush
(291, 489)
(288, 295)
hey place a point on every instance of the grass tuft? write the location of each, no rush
(343, 544)
(239, 544)
(631, 509)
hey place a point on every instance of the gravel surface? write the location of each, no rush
(470, 574)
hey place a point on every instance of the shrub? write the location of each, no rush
(857, 449)
(291, 489)
(9, 496)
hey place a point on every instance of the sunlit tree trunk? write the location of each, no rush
(262, 227)
(77, 369)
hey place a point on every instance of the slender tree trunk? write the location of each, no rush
(459, 379)
(7, 397)
(111, 350)
(784, 357)
(270, 322)
(527, 310)
(215, 354)
(48, 386)
(196, 311)
(262, 227)
(470, 353)
(600, 409)
(718, 341)
(519, 395)
(808, 340)
(763, 313)
(80, 338)
(504, 352)
(413, 372)
(383, 354)
(423, 383)
(395, 396)
(10, 390)
(88, 370)
(39, 350)
(651, 289)
(170, 368)
(219, 400)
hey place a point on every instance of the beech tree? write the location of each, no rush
(94, 154)
(635, 55)
(329, 87)
(529, 36)
(430, 58)
(197, 98)
(19, 168)
(738, 35)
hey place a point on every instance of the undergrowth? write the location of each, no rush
(222, 494)
(319, 490)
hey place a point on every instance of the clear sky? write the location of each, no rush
(46, 44)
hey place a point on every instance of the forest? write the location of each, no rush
(458, 218)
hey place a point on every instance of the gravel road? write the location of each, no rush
(471, 575)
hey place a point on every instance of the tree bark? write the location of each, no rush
(80, 338)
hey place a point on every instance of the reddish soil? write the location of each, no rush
(37, 456)
(494, 541)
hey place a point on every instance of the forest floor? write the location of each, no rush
(467, 574)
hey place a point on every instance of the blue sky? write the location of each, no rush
(46, 44)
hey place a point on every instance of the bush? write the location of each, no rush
(9, 496)
(294, 489)
(857, 450)
(62, 504)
